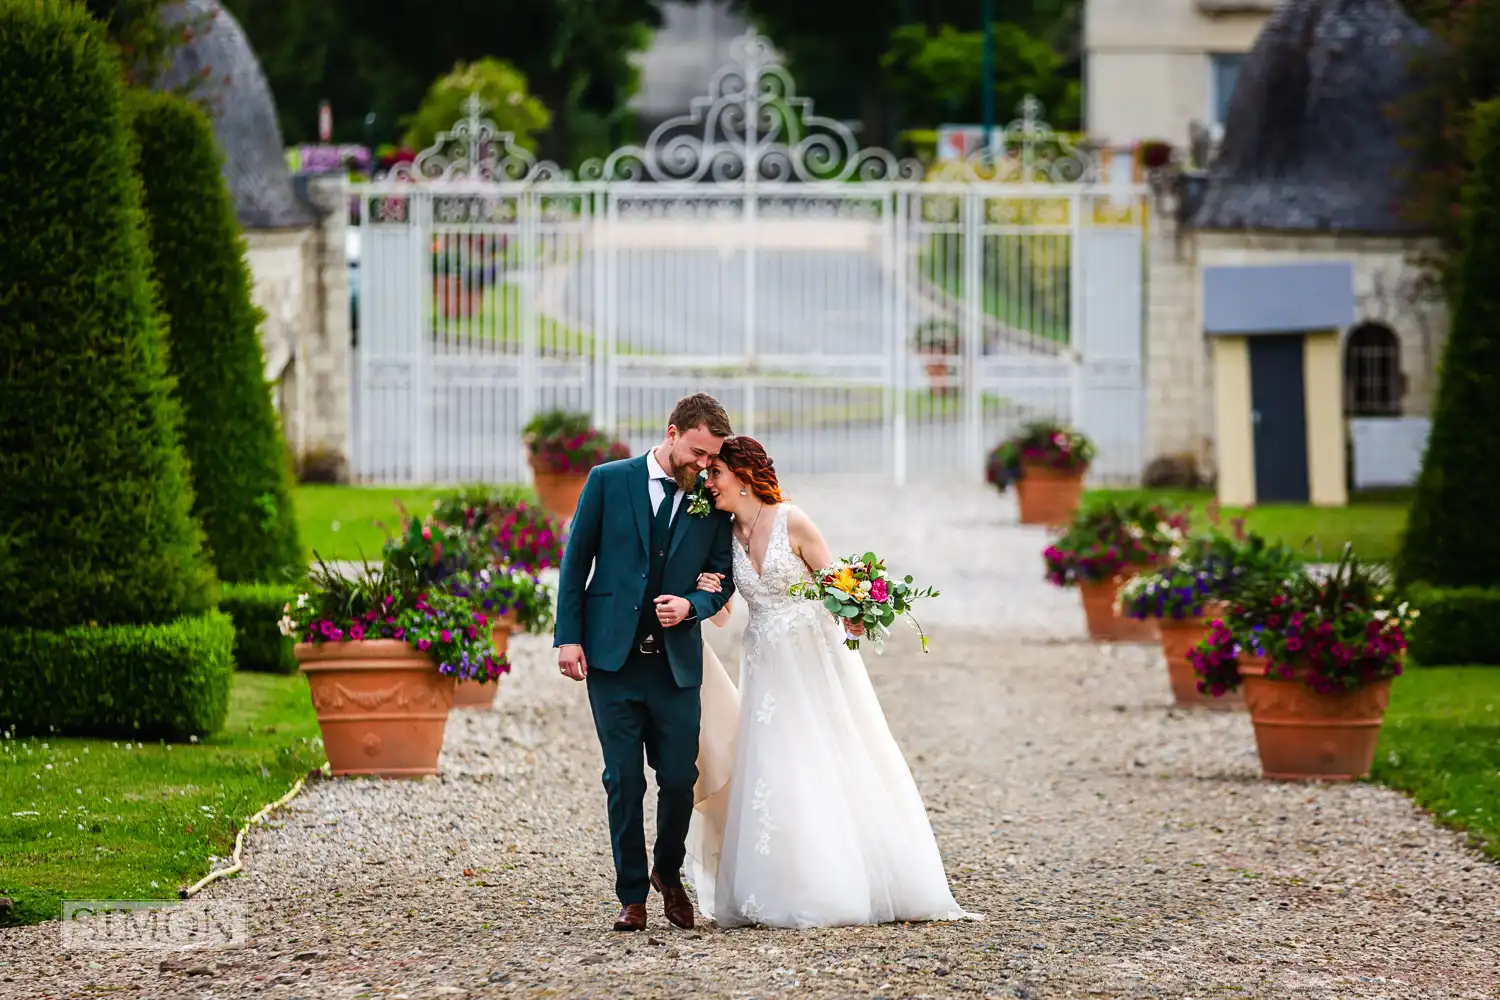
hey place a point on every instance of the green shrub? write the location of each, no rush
(258, 643)
(149, 681)
(1450, 539)
(241, 471)
(95, 506)
(1455, 628)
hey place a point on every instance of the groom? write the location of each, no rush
(626, 630)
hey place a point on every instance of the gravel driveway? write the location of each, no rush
(1118, 847)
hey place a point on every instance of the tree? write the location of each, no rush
(381, 58)
(1450, 539)
(938, 75)
(106, 620)
(233, 441)
(1462, 70)
(500, 87)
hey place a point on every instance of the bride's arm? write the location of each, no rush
(807, 541)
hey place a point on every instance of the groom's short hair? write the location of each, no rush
(701, 410)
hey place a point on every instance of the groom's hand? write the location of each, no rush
(672, 611)
(571, 662)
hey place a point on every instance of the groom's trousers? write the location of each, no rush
(640, 711)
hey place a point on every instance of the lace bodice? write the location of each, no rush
(765, 593)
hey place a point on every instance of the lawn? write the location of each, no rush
(111, 819)
(1373, 523)
(344, 522)
(1441, 745)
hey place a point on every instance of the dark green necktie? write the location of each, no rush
(661, 528)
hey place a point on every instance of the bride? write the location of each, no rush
(807, 814)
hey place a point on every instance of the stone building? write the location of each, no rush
(1309, 172)
(294, 235)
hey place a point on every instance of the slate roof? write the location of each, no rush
(244, 116)
(1309, 143)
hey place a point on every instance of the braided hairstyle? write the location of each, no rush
(745, 457)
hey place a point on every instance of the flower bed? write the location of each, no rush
(1105, 545)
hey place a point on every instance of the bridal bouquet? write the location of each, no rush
(859, 589)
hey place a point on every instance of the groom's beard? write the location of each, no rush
(686, 476)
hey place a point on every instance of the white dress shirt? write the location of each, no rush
(654, 487)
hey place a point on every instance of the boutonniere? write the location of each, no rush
(699, 503)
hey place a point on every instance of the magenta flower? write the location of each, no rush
(446, 636)
(879, 591)
(424, 644)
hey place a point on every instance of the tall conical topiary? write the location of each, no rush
(241, 474)
(106, 597)
(1451, 539)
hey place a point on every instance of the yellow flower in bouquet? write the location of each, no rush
(844, 580)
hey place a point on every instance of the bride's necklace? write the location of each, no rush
(751, 533)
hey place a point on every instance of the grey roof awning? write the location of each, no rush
(1278, 298)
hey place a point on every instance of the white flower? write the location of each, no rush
(286, 625)
(301, 600)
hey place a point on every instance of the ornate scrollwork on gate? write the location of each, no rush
(752, 126)
(475, 149)
(1026, 151)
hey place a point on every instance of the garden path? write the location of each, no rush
(1118, 846)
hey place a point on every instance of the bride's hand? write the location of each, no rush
(710, 583)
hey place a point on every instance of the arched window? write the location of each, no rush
(1373, 384)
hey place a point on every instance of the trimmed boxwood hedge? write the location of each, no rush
(258, 642)
(1455, 627)
(1450, 538)
(241, 471)
(95, 506)
(167, 681)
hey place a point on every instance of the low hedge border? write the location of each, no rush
(258, 642)
(1456, 627)
(166, 681)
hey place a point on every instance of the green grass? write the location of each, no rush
(1441, 745)
(343, 522)
(107, 819)
(1373, 523)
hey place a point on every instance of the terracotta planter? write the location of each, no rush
(1306, 736)
(1106, 626)
(457, 298)
(382, 706)
(1178, 637)
(940, 377)
(472, 694)
(558, 491)
(1047, 496)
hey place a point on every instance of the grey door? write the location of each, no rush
(1278, 414)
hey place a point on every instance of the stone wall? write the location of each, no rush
(302, 284)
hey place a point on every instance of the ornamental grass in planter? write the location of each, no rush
(1047, 462)
(1108, 543)
(1316, 659)
(563, 447)
(382, 653)
(1185, 597)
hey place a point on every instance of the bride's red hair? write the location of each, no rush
(745, 457)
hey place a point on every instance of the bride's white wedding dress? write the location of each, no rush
(810, 816)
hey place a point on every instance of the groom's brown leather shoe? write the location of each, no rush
(674, 901)
(632, 917)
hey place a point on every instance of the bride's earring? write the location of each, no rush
(744, 493)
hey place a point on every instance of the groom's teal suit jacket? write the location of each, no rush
(611, 532)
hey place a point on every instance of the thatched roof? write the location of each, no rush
(1309, 141)
(230, 82)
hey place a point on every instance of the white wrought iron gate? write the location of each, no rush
(856, 313)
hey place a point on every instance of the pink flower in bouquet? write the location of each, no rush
(879, 591)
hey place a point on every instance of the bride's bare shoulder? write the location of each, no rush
(798, 522)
